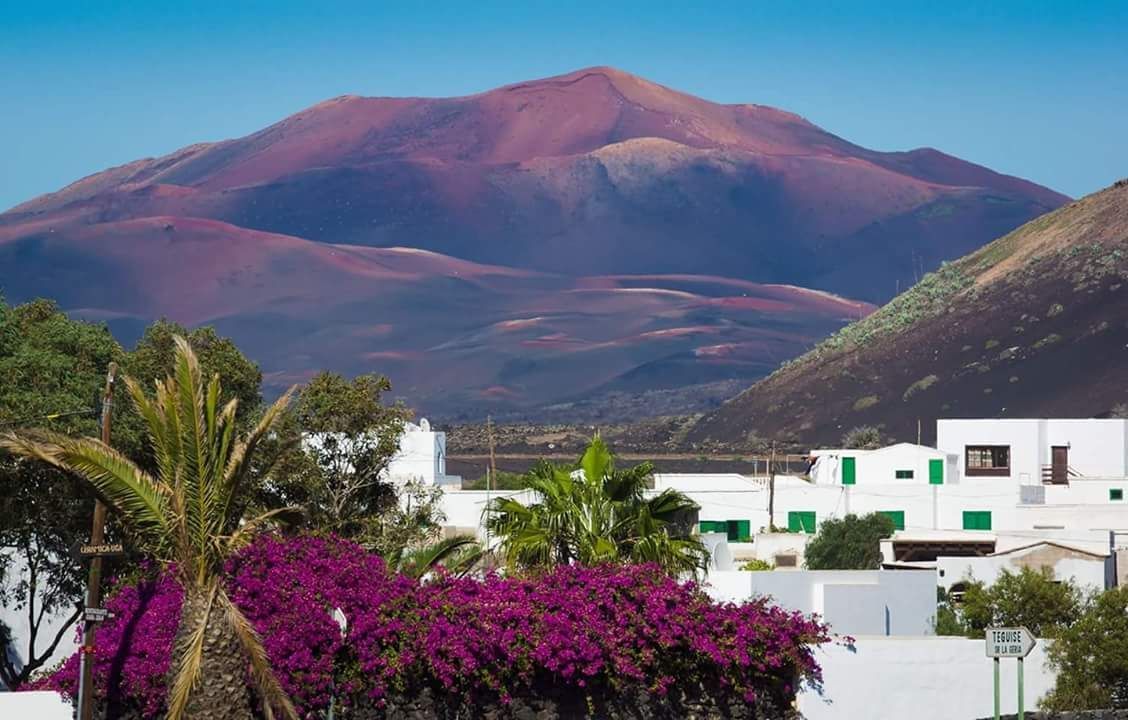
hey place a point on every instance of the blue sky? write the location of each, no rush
(1036, 89)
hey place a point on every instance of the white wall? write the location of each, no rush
(923, 678)
(852, 602)
(34, 706)
(464, 508)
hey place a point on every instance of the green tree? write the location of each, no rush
(1091, 657)
(852, 543)
(1031, 598)
(865, 437)
(593, 513)
(341, 439)
(154, 358)
(184, 516)
(948, 620)
(52, 371)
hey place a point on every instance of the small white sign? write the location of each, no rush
(96, 615)
(1014, 642)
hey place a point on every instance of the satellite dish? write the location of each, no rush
(424, 425)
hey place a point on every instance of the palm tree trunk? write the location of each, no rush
(221, 691)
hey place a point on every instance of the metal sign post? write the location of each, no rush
(1010, 642)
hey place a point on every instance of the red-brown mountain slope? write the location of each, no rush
(456, 337)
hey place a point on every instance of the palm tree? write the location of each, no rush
(458, 555)
(187, 516)
(592, 513)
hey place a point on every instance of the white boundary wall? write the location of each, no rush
(34, 706)
(923, 678)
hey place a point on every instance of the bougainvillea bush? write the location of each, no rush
(589, 630)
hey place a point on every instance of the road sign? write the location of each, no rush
(101, 550)
(1014, 642)
(96, 615)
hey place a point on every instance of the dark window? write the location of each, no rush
(987, 460)
(1115, 494)
(904, 474)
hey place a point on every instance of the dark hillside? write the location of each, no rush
(1033, 324)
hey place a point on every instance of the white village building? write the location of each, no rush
(422, 457)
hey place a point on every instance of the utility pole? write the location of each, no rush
(771, 491)
(491, 475)
(94, 581)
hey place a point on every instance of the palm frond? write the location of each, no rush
(237, 463)
(247, 531)
(458, 553)
(274, 697)
(141, 500)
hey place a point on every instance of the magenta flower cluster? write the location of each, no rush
(589, 629)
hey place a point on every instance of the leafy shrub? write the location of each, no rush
(757, 565)
(923, 384)
(865, 402)
(1031, 598)
(605, 629)
(1050, 339)
(863, 437)
(852, 543)
(1091, 657)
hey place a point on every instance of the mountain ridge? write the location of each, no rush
(595, 178)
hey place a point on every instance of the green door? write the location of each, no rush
(849, 471)
(936, 472)
(977, 520)
(801, 521)
(897, 516)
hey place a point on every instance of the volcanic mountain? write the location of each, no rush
(1034, 324)
(535, 243)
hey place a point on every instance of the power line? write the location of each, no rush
(92, 412)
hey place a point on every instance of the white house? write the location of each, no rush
(422, 456)
(900, 462)
(1033, 451)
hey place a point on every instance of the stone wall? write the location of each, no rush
(549, 705)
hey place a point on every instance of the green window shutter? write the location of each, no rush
(936, 472)
(801, 521)
(1115, 494)
(849, 471)
(977, 520)
(809, 522)
(712, 526)
(743, 529)
(897, 516)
